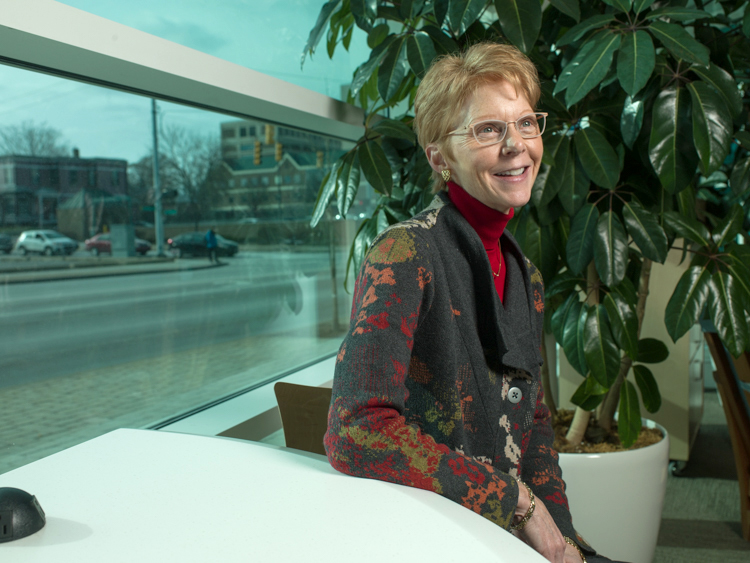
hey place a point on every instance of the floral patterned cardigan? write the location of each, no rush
(425, 391)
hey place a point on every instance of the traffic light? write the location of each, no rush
(269, 134)
(256, 155)
(319, 159)
(278, 152)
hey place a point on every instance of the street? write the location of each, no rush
(57, 328)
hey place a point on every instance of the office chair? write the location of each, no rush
(733, 382)
(304, 415)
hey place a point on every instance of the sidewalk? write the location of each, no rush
(17, 269)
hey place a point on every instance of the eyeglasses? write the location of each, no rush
(490, 132)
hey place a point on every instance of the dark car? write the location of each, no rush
(6, 243)
(194, 244)
(103, 243)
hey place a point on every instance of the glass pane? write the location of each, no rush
(116, 348)
(268, 36)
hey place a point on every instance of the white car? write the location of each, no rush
(45, 242)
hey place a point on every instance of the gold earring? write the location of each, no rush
(446, 174)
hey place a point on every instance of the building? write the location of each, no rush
(33, 187)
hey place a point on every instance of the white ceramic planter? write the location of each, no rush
(616, 498)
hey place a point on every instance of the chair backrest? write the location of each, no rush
(733, 382)
(304, 415)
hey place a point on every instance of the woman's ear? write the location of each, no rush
(435, 158)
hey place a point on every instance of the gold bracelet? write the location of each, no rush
(529, 512)
(578, 549)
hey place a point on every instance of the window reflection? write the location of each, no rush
(116, 348)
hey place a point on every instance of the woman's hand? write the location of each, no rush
(571, 554)
(541, 532)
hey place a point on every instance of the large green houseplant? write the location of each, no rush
(645, 150)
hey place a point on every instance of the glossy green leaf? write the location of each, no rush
(635, 61)
(581, 29)
(364, 8)
(670, 147)
(320, 26)
(366, 70)
(688, 299)
(739, 181)
(725, 304)
(573, 337)
(574, 187)
(623, 322)
(599, 160)
(739, 268)
(589, 394)
(564, 282)
(646, 231)
(712, 126)
(568, 7)
(746, 23)
(743, 138)
(580, 247)
(540, 249)
(610, 249)
(362, 241)
(626, 290)
(688, 228)
(628, 415)
(560, 316)
(520, 20)
(622, 5)
(394, 128)
(392, 70)
(728, 227)
(631, 120)
(677, 13)
(420, 51)
(649, 388)
(723, 83)
(601, 351)
(652, 351)
(347, 183)
(679, 42)
(557, 150)
(463, 13)
(326, 191)
(375, 167)
(640, 5)
(589, 72)
(444, 44)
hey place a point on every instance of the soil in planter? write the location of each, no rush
(596, 439)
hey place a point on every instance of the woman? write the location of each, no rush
(437, 384)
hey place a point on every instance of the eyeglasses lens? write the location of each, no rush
(528, 126)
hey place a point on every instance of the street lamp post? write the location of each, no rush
(158, 215)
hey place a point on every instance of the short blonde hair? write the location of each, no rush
(452, 79)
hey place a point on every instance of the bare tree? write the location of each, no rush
(192, 163)
(32, 139)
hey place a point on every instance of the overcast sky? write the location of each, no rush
(265, 35)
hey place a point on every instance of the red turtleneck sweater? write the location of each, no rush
(489, 225)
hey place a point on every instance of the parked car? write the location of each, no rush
(45, 242)
(102, 242)
(194, 244)
(6, 243)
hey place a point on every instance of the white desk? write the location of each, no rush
(145, 496)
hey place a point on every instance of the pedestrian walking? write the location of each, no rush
(212, 245)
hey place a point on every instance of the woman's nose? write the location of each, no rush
(513, 142)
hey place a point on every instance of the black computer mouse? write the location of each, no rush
(20, 514)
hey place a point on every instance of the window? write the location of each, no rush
(137, 350)
(243, 182)
(54, 177)
(243, 132)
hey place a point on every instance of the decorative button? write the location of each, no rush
(515, 395)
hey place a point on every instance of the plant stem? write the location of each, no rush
(609, 406)
(548, 399)
(581, 417)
